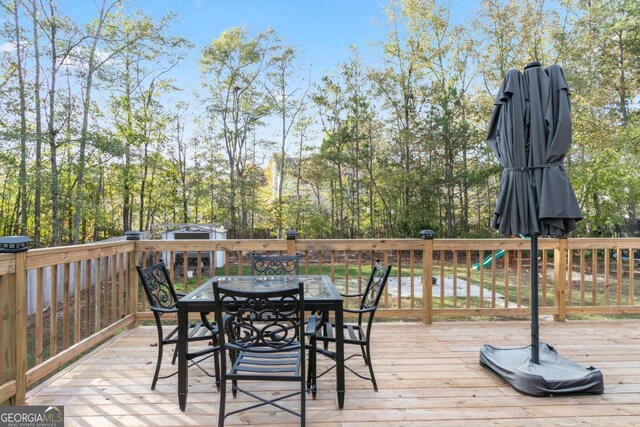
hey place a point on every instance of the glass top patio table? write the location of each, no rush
(316, 288)
(320, 294)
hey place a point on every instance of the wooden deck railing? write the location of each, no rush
(95, 291)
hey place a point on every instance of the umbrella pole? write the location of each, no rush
(535, 338)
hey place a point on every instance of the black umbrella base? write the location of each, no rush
(555, 375)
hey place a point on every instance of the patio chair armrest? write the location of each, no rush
(311, 326)
(351, 295)
(364, 310)
(206, 323)
(180, 294)
(164, 310)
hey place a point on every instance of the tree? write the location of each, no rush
(288, 103)
(232, 67)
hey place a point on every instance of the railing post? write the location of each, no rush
(291, 242)
(427, 273)
(14, 317)
(560, 279)
(132, 274)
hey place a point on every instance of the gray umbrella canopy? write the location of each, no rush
(530, 134)
(515, 211)
(549, 138)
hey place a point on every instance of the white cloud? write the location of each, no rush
(7, 47)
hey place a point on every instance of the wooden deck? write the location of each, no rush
(428, 375)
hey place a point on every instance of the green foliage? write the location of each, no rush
(371, 150)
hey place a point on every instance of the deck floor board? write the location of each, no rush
(428, 375)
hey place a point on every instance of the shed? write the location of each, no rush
(198, 232)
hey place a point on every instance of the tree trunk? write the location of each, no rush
(56, 229)
(36, 90)
(22, 175)
(86, 105)
(126, 199)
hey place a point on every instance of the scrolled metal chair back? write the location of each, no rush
(157, 285)
(262, 322)
(270, 265)
(375, 286)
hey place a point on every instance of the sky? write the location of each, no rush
(322, 30)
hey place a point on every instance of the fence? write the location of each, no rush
(96, 289)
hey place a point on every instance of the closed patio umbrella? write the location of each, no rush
(530, 133)
(515, 211)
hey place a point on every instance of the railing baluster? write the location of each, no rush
(114, 288)
(455, 278)
(399, 276)
(87, 304)
(619, 277)
(66, 309)
(631, 274)
(121, 287)
(105, 290)
(570, 280)
(582, 265)
(481, 269)
(359, 272)
(412, 277)
(519, 278)
(77, 298)
(544, 268)
(607, 271)
(185, 271)
(198, 268)
(507, 264)
(39, 309)
(468, 305)
(594, 277)
(346, 271)
(493, 279)
(53, 312)
(442, 285)
(332, 266)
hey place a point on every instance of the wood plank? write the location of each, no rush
(50, 365)
(7, 390)
(7, 264)
(66, 254)
(427, 374)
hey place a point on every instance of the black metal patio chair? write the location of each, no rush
(275, 265)
(163, 298)
(354, 334)
(262, 335)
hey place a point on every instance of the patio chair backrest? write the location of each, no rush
(157, 285)
(263, 322)
(275, 265)
(375, 288)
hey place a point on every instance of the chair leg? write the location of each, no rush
(311, 372)
(175, 355)
(216, 362)
(326, 325)
(223, 396)
(158, 363)
(364, 355)
(303, 404)
(370, 364)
